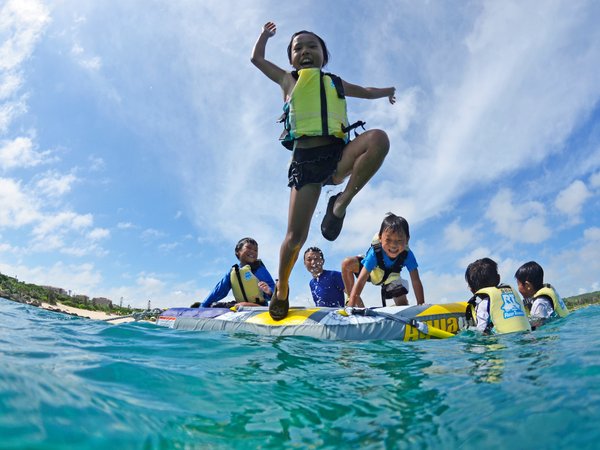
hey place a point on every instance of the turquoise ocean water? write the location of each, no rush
(67, 382)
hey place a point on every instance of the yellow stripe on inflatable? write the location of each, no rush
(457, 307)
(294, 317)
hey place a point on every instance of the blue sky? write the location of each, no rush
(138, 143)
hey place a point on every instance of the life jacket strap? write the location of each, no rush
(471, 312)
(324, 118)
(354, 126)
(236, 267)
(396, 266)
(339, 88)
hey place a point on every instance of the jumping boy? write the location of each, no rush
(317, 129)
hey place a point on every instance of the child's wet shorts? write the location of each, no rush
(395, 288)
(314, 165)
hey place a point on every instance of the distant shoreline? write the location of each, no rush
(78, 312)
(57, 299)
(85, 313)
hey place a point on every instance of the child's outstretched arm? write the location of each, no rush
(272, 71)
(354, 90)
(417, 286)
(354, 298)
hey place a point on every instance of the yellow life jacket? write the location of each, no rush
(507, 312)
(317, 107)
(557, 302)
(244, 285)
(382, 275)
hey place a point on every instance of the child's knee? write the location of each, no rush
(350, 264)
(380, 139)
(295, 240)
(401, 301)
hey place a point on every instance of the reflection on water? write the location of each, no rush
(487, 359)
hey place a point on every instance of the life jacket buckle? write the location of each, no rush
(354, 126)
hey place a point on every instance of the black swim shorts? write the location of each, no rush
(314, 165)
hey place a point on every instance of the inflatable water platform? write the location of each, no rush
(406, 323)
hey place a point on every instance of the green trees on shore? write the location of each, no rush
(578, 301)
(19, 291)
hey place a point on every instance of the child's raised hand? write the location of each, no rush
(270, 29)
(392, 96)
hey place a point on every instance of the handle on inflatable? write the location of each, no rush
(421, 326)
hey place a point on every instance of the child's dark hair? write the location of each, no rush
(481, 274)
(394, 223)
(532, 272)
(242, 242)
(316, 250)
(321, 41)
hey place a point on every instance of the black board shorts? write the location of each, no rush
(315, 165)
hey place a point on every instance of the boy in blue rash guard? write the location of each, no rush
(250, 280)
(388, 254)
(326, 286)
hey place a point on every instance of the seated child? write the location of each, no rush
(326, 286)
(250, 280)
(541, 300)
(388, 254)
(495, 307)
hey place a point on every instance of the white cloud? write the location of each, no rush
(54, 184)
(79, 278)
(125, 225)
(62, 223)
(570, 200)
(76, 50)
(592, 234)
(9, 84)
(93, 63)
(96, 164)
(575, 270)
(21, 24)
(19, 152)
(98, 233)
(18, 208)
(80, 249)
(507, 268)
(8, 112)
(445, 288)
(149, 282)
(169, 247)
(474, 255)
(6, 248)
(150, 234)
(520, 222)
(160, 293)
(498, 107)
(457, 237)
